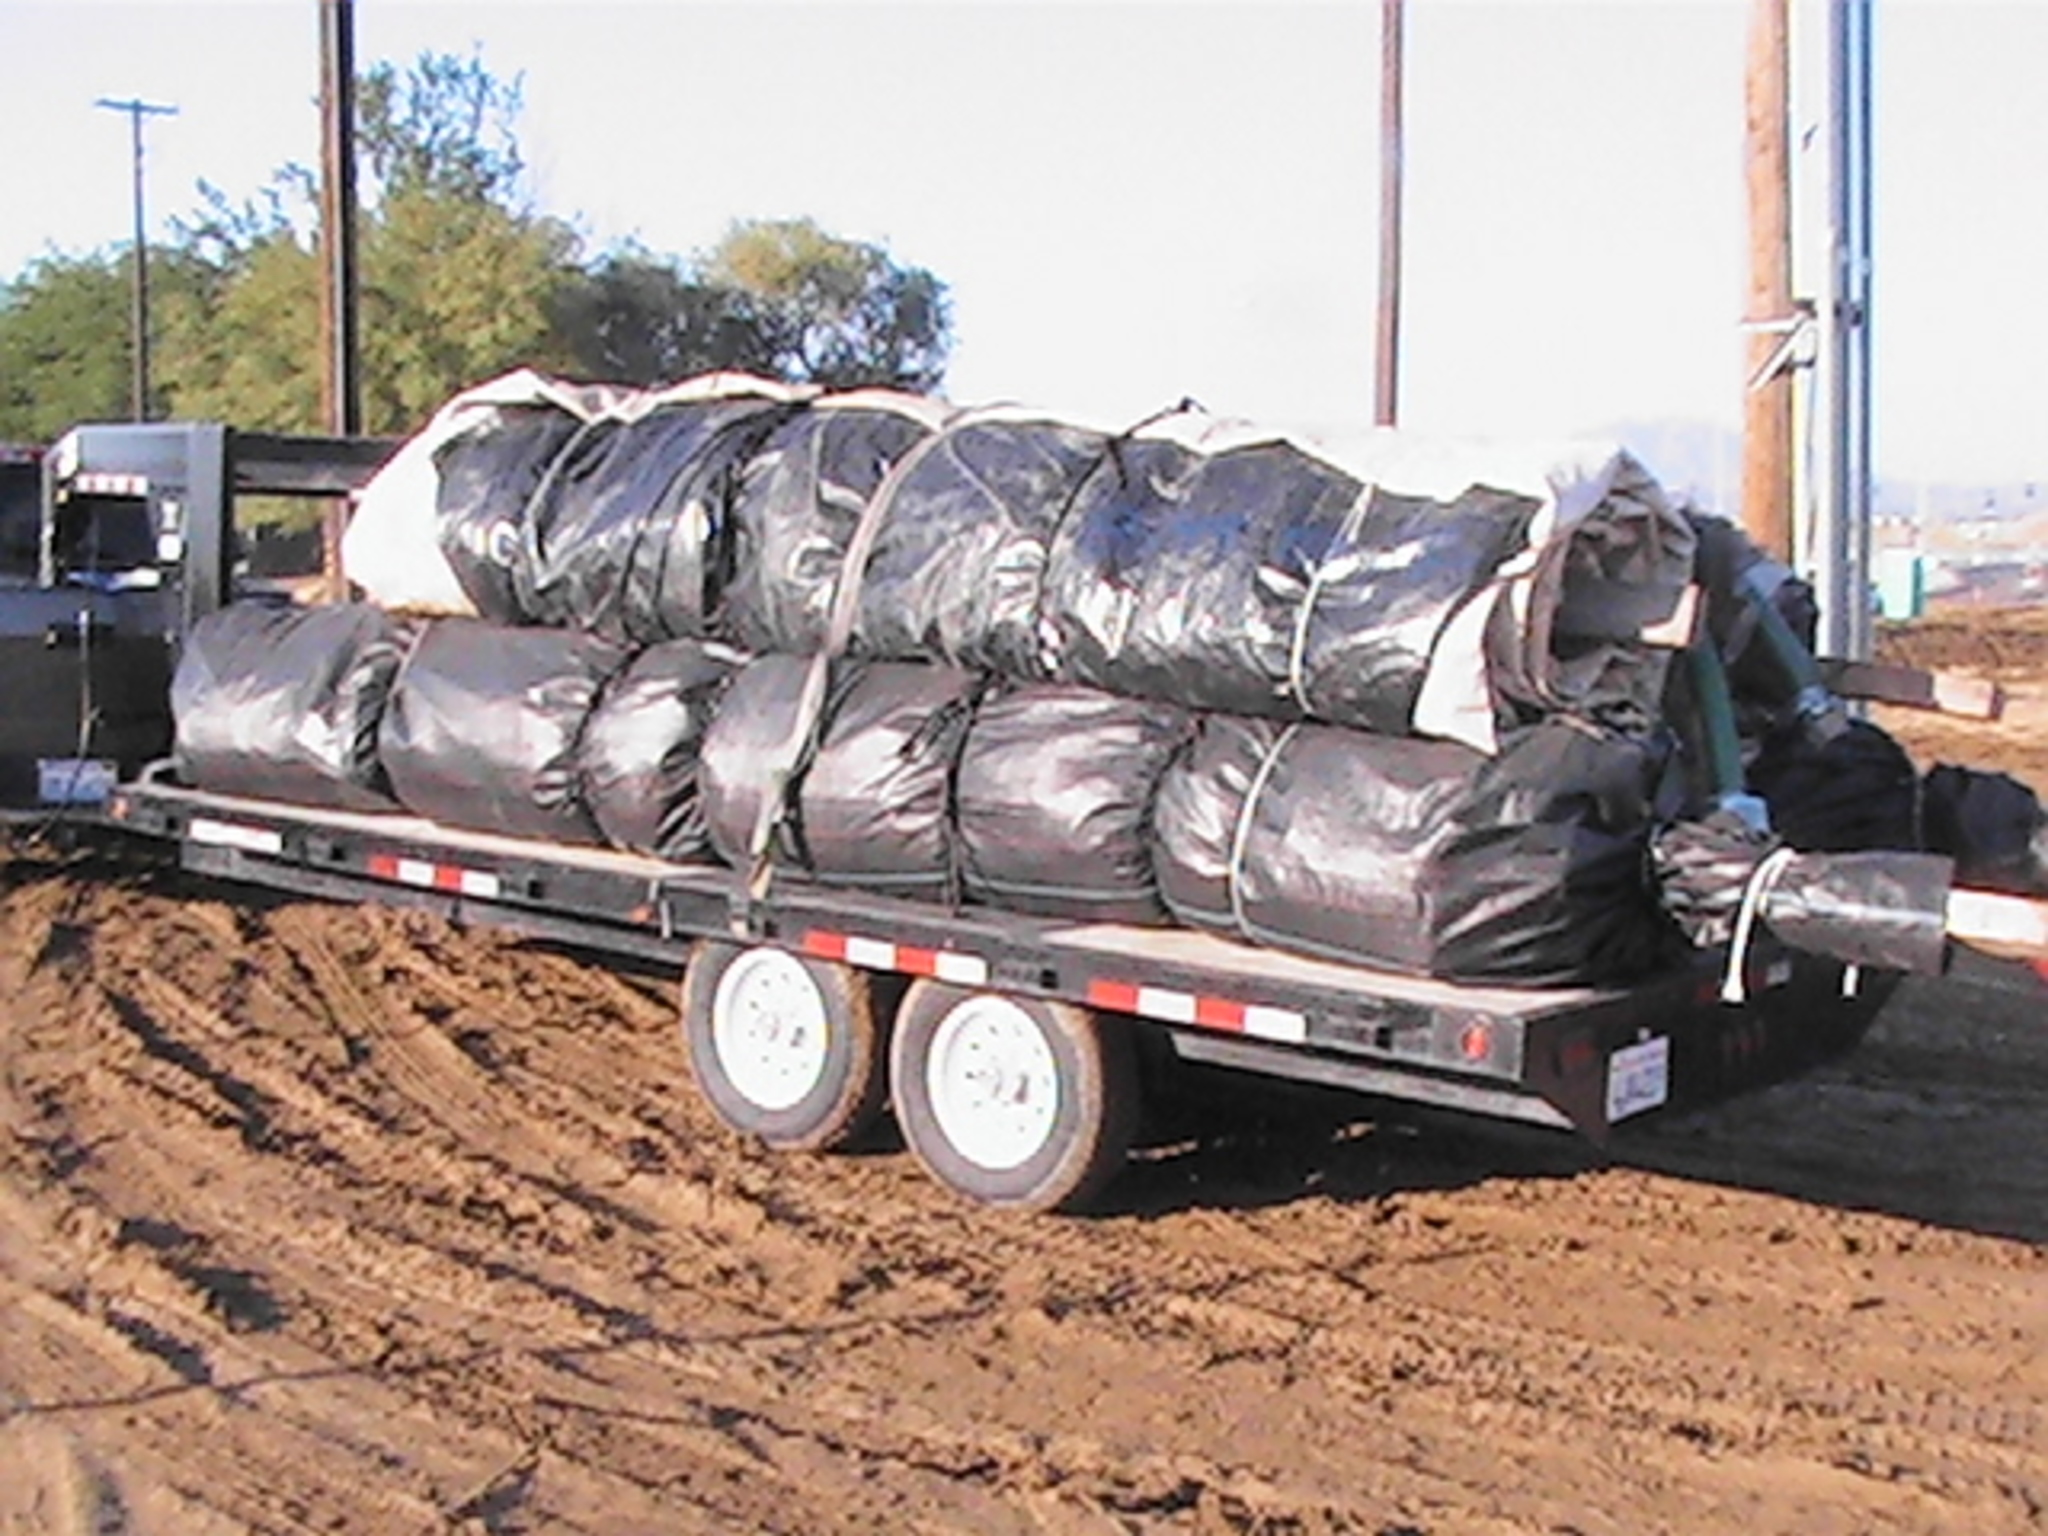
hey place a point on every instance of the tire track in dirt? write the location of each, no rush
(489, 1267)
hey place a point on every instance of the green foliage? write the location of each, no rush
(250, 355)
(833, 311)
(63, 347)
(634, 318)
(461, 280)
(66, 329)
(444, 127)
(455, 291)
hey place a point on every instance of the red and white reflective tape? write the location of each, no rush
(880, 955)
(230, 834)
(435, 877)
(98, 483)
(1218, 1013)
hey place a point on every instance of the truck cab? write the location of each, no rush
(112, 543)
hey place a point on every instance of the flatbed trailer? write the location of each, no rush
(1013, 1050)
(1012, 1060)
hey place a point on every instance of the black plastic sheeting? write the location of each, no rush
(1263, 581)
(1991, 824)
(794, 513)
(1885, 909)
(872, 801)
(1703, 866)
(483, 726)
(629, 535)
(959, 558)
(487, 476)
(638, 752)
(1417, 855)
(285, 703)
(1054, 801)
(1839, 792)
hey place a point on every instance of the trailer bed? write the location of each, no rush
(1579, 1058)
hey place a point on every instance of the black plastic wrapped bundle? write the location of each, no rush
(1054, 801)
(872, 802)
(638, 752)
(1309, 837)
(487, 475)
(1545, 874)
(1262, 580)
(1991, 824)
(1886, 909)
(959, 557)
(1844, 791)
(629, 534)
(1416, 855)
(483, 725)
(285, 703)
(798, 502)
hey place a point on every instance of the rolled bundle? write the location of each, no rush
(1991, 824)
(628, 535)
(1420, 856)
(870, 786)
(961, 543)
(637, 756)
(1234, 571)
(285, 703)
(1054, 801)
(483, 725)
(436, 530)
(486, 479)
(799, 501)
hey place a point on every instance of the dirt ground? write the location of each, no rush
(326, 1219)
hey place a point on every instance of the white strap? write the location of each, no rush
(1761, 880)
(1240, 835)
(1345, 540)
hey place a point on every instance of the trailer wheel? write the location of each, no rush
(784, 1047)
(1012, 1101)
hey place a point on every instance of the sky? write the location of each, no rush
(1134, 203)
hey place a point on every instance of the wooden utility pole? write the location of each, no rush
(139, 320)
(1386, 375)
(341, 395)
(1767, 399)
(340, 388)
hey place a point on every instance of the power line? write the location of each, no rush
(137, 110)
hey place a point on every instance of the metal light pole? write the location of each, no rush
(1842, 490)
(137, 110)
(1387, 352)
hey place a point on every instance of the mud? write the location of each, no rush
(317, 1218)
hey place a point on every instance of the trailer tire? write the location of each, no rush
(1013, 1101)
(785, 1047)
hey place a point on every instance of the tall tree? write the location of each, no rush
(460, 275)
(834, 311)
(64, 337)
(635, 318)
(462, 278)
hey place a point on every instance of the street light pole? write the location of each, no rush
(1386, 374)
(137, 110)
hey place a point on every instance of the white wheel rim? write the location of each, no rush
(768, 1029)
(993, 1082)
